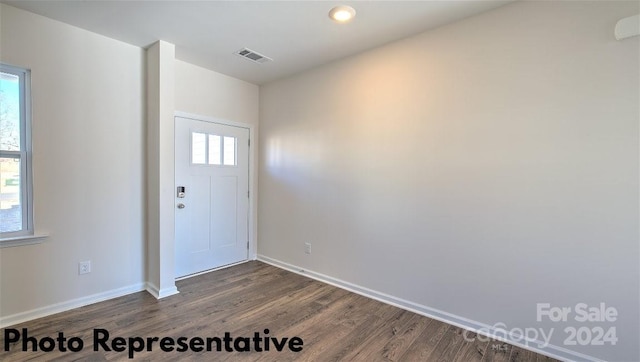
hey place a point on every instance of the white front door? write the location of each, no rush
(211, 195)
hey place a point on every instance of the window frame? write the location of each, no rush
(24, 155)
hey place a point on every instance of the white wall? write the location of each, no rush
(202, 92)
(88, 135)
(476, 169)
(88, 124)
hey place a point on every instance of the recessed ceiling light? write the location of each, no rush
(342, 13)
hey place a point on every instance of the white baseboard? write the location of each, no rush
(160, 293)
(553, 351)
(21, 317)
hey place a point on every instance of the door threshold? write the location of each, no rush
(211, 270)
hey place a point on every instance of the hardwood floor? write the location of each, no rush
(335, 325)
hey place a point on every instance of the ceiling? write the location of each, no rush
(297, 35)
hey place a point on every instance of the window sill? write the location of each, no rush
(23, 240)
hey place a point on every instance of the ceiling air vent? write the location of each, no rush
(253, 56)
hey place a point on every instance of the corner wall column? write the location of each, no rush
(160, 169)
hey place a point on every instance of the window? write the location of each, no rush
(16, 205)
(211, 149)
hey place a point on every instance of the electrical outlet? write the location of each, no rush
(307, 248)
(84, 267)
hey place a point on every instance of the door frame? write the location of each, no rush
(253, 187)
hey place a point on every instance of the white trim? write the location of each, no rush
(226, 122)
(160, 293)
(22, 317)
(23, 240)
(211, 270)
(25, 152)
(552, 351)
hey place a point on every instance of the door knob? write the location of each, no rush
(180, 206)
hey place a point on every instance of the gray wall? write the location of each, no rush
(477, 169)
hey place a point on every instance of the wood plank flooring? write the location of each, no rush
(334, 324)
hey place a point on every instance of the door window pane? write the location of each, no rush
(215, 149)
(9, 112)
(10, 205)
(198, 148)
(230, 151)
(211, 149)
